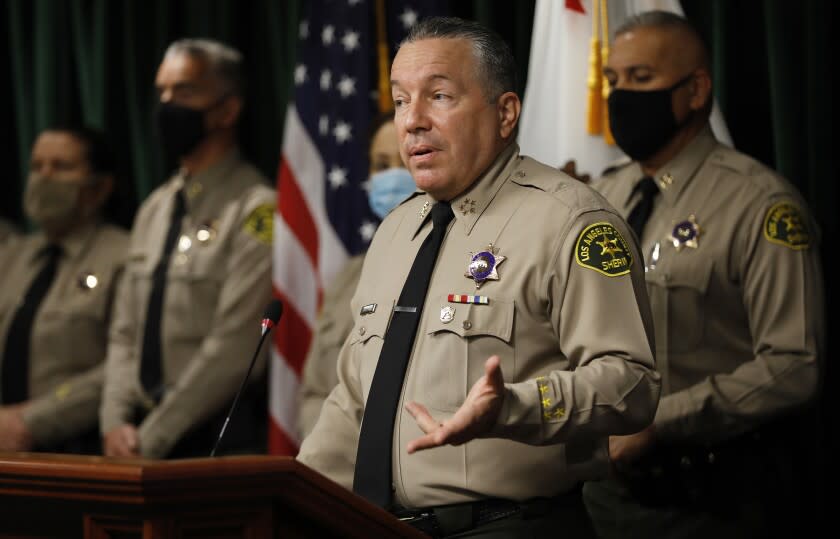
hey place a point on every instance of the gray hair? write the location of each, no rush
(224, 62)
(494, 58)
(665, 20)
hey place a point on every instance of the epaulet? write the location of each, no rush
(412, 196)
(616, 165)
(735, 161)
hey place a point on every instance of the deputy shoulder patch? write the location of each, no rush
(600, 247)
(260, 223)
(784, 225)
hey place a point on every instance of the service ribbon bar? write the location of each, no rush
(463, 298)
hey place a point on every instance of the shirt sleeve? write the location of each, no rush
(601, 316)
(334, 324)
(331, 446)
(120, 371)
(782, 290)
(68, 410)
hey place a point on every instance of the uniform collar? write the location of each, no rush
(194, 186)
(675, 175)
(71, 245)
(469, 205)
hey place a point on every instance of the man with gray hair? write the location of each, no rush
(501, 328)
(197, 278)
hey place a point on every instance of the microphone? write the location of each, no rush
(271, 315)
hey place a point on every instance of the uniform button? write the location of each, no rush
(361, 330)
(467, 324)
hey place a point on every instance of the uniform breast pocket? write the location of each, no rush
(366, 338)
(459, 339)
(89, 331)
(685, 290)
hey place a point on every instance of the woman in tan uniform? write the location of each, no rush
(55, 297)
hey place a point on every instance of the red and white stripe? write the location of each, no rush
(307, 254)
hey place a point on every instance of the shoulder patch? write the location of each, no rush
(785, 225)
(260, 223)
(600, 247)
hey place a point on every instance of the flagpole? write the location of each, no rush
(594, 105)
(384, 84)
(605, 87)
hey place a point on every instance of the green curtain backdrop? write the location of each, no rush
(94, 61)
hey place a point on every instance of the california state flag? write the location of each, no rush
(554, 112)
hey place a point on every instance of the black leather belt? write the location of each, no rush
(444, 520)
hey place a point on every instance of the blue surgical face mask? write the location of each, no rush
(388, 188)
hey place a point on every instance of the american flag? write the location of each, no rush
(322, 211)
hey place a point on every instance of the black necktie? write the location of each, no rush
(372, 477)
(15, 373)
(640, 213)
(150, 361)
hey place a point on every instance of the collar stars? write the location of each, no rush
(467, 206)
(666, 180)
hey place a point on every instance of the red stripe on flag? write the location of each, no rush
(576, 5)
(293, 335)
(278, 442)
(293, 208)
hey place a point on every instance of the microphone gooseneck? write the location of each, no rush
(271, 315)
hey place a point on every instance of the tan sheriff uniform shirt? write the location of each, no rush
(568, 316)
(334, 324)
(7, 231)
(738, 308)
(70, 330)
(218, 284)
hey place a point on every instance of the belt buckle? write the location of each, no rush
(419, 516)
(424, 521)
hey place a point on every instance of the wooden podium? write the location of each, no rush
(69, 496)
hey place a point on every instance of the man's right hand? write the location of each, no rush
(122, 442)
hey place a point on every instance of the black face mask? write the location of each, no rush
(181, 129)
(642, 122)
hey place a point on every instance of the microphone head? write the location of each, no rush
(273, 311)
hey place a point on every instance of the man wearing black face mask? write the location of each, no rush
(735, 285)
(197, 278)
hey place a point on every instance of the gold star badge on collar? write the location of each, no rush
(467, 206)
(425, 209)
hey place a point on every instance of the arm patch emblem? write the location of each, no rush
(601, 248)
(260, 223)
(784, 225)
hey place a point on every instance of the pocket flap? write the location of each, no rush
(689, 274)
(469, 320)
(370, 324)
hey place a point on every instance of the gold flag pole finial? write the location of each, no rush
(382, 55)
(594, 120)
(605, 87)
